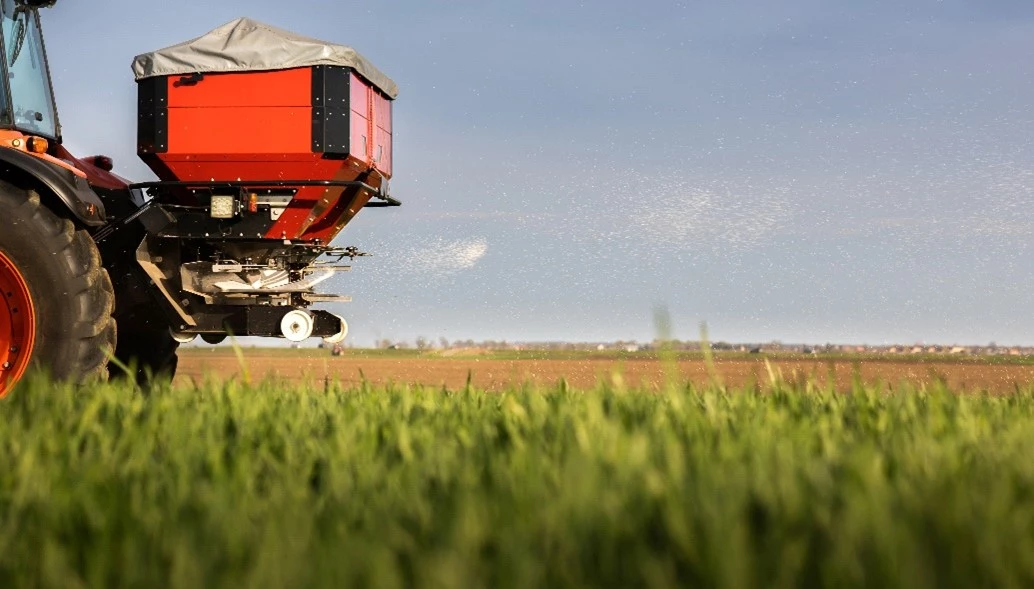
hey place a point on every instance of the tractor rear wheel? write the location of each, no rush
(150, 352)
(56, 299)
(145, 344)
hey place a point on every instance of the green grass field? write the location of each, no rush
(265, 485)
(617, 355)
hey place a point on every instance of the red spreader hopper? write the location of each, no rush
(286, 124)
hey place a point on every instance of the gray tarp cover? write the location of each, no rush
(245, 45)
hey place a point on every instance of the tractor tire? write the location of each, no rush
(151, 353)
(57, 300)
(145, 344)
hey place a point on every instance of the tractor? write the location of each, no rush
(265, 144)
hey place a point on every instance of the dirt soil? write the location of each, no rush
(499, 374)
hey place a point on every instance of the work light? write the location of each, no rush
(223, 206)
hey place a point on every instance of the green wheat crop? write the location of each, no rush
(224, 484)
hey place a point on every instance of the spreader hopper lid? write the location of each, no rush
(246, 45)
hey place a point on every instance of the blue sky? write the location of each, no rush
(807, 171)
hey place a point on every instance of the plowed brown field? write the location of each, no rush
(496, 374)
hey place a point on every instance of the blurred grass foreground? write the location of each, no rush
(224, 484)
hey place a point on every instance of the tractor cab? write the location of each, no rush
(26, 98)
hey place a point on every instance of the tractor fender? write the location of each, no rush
(74, 191)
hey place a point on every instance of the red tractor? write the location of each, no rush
(266, 144)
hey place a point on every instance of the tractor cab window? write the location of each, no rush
(33, 109)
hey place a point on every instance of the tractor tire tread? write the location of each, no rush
(87, 286)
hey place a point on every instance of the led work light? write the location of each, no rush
(223, 206)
